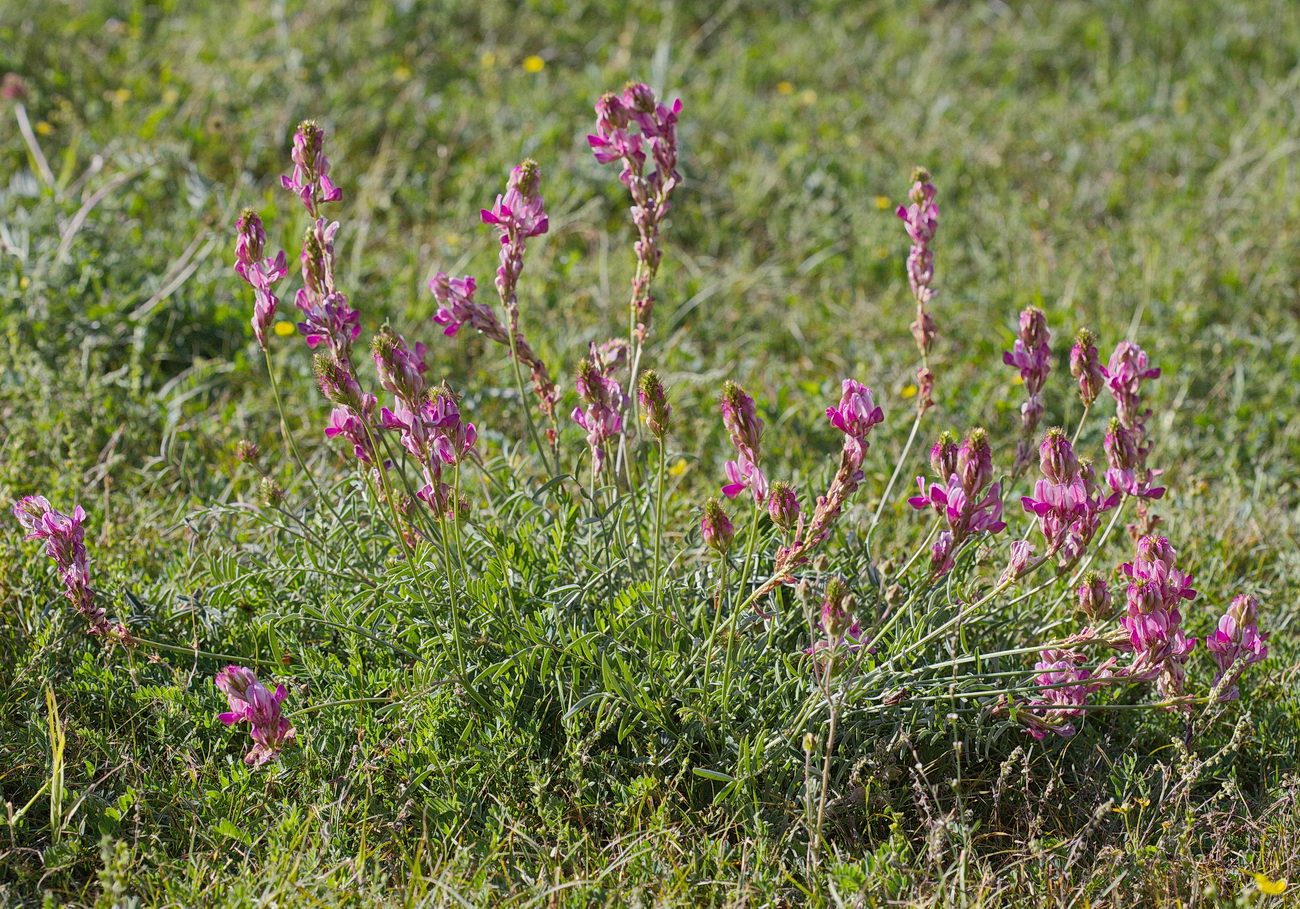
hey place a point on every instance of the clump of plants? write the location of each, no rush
(750, 640)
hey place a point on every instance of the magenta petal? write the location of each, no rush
(230, 719)
(918, 501)
(731, 490)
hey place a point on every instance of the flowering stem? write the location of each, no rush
(1074, 440)
(293, 446)
(195, 652)
(735, 614)
(451, 589)
(523, 401)
(826, 760)
(719, 603)
(659, 528)
(898, 468)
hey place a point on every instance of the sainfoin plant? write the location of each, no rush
(560, 566)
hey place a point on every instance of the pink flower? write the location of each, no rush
(654, 404)
(1126, 459)
(1032, 357)
(1128, 368)
(252, 703)
(716, 527)
(616, 140)
(260, 272)
(1236, 644)
(856, 414)
(1064, 693)
(602, 418)
(957, 497)
(1153, 619)
(310, 179)
(921, 220)
(343, 422)
(401, 368)
(1094, 597)
(64, 539)
(783, 505)
(1085, 365)
(745, 429)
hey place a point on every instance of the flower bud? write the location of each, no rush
(269, 493)
(837, 609)
(783, 505)
(1094, 597)
(1056, 457)
(1085, 365)
(975, 463)
(654, 404)
(246, 452)
(716, 527)
(943, 456)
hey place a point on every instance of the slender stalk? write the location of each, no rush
(523, 401)
(826, 760)
(735, 614)
(293, 446)
(898, 467)
(659, 529)
(719, 606)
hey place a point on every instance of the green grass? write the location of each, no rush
(1128, 167)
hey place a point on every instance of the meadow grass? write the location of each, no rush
(1127, 167)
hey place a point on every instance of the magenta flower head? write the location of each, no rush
(1022, 559)
(339, 384)
(857, 412)
(602, 418)
(1129, 367)
(975, 461)
(837, 610)
(1056, 457)
(261, 272)
(1094, 597)
(626, 125)
(1126, 458)
(943, 455)
(959, 495)
(252, 703)
(654, 404)
(1065, 692)
(740, 417)
(1085, 365)
(64, 538)
(783, 505)
(1236, 644)
(310, 179)
(520, 212)
(1032, 357)
(401, 368)
(716, 527)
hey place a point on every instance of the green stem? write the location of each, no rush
(718, 609)
(735, 615)
(659, 528)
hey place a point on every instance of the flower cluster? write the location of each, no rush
(517, 215)
(654, 404)
(959, 495)
(65, 544)
(1085, 366)
(1153, 620)
(1065, 502)
(1032, 356)
(310, 180)
(745, 429)
(327, 318)
(1128, 368)
(250, 702)
(602, 417)
(1235, 644)
(259, 271)
(626, 124)
(1065, 688)
(434, 434)
(716, 527)
(921, 220)
(855, 415)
